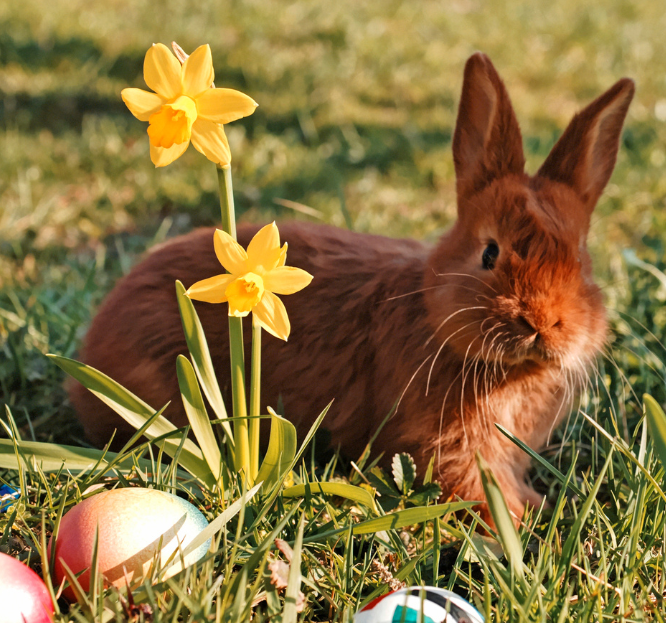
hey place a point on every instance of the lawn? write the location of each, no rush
(357, 103)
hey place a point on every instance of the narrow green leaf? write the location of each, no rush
(201, 359)
(304, 444)
(134, 411)
(500, 512)
(399, 519)
(197, 415)
(281, 451)
(404, 472)
(656, 426)
(574, 534)
(220, 521)
(290, 612)
(539, 459)
(427, 479)
(341, 489)
(51, 457)
(267, 542)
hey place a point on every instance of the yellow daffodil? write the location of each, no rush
(184, 107)
(255, 277)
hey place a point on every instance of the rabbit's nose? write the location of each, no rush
(539, 323)
(528, 326)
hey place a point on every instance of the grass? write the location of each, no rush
(357, 106)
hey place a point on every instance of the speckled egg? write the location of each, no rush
(133, 523)
(23, 595)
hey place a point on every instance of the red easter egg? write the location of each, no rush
(23, 595)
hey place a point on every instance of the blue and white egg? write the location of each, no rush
(425, 604)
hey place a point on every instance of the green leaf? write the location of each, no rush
(574, 537)
(201, 359)
(197, 416)
(404, 472)
(51, 457)
(502, 517)
(425, 493)
(380, 481)
(281, 451)
(409, 517)
(220, 521)
(399, 519)
(656, 420)
(539, 459)
(341, 489)
(134, 411)
(290, 612)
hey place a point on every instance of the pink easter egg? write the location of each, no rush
(23, 594)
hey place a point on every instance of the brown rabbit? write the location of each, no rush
(497, 323)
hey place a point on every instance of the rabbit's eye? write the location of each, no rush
(489, 256)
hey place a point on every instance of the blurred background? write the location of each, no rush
(357, 103)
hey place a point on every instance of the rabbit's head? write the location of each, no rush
(512, 281)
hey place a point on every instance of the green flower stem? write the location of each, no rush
(255, 400)
(241, 438)
(227, 200)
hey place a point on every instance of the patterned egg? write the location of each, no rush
(134, 525)
(407, 604)
(23, 595)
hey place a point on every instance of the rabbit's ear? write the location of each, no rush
(585, 155)
(487, 143)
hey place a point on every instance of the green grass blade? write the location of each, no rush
(281, 451)
(201, 359)
(656, 426)
(290, 612)
(134, 411)
(341, 489)
(51, 457)
(499, 510)
(574, 535)
(217, 524)
(539, 459)
(399, 519)
(197, 415)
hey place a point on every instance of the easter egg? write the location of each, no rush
(133, 525)
(23, 595)
(407, 604)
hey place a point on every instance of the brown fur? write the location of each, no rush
(460, 346)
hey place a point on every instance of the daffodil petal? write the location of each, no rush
(264, 249)
(286, 280)
(210, 290)
(198, 72)
(229, 253)
(283, 255)
(161, 156)
(161, 71)
(271, 314)
(142, 104)
(224, 105)
(209, 138)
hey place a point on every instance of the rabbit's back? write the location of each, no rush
(353, 329)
